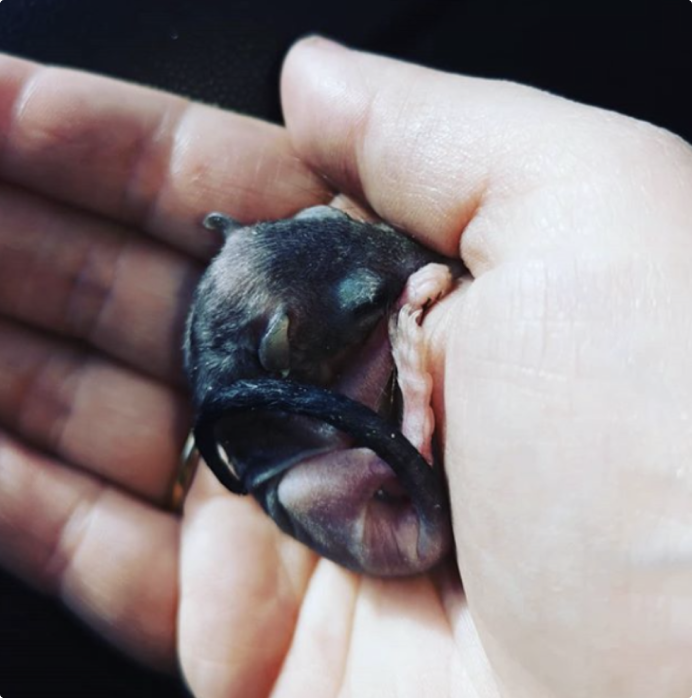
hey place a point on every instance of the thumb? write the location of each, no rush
(436, 154)
(380, 130)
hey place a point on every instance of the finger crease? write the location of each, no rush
(140, 187)
(93, 289)
(70, 538)
(49, 400)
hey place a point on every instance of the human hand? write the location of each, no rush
(562, 372)
(103, 189)
(561, 386)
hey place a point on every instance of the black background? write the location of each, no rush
(634, 57)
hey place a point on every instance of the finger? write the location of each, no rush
(323, 635)
(388, 138)
(242, 586)
(112, 560)
(144, 157)
(83, 276)
(438, 154)
(104, 418)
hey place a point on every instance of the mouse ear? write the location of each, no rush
(363, 293)
(221, 222)
(275, 350)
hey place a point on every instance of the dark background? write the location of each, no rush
(631, 56)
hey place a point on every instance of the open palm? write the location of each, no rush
(103, 189)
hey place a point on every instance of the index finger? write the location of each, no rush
(144, 157)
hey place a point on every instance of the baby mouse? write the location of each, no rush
(304, 352)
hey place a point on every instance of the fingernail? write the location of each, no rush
(322, 43)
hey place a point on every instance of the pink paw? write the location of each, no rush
(426, 286)
(423, 288)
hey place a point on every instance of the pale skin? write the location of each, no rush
(562, 382)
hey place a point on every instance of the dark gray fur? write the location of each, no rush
(282, 302)
(333, 276)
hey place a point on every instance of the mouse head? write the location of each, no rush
(292, 298)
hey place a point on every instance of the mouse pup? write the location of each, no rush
(305, 356)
